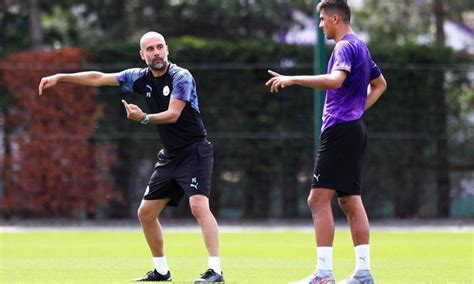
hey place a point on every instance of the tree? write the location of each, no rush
(405, 21)
(36, 30)
(418, 17)
(381, 19)
(76, 22)
(51, 167)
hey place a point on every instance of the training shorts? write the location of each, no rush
(340, 159)
(187, 171)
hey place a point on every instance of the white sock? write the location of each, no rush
(362, 254)
(160, 264)
(324, 261)
(214, 263)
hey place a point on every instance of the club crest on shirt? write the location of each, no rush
(166, 91)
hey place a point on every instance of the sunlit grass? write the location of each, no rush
(247, 257)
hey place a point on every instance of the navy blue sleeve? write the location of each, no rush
(127, 77)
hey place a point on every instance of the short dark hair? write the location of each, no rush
(339, 6)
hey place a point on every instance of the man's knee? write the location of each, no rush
(320, 197)
(146, 214)
(349, 204)
(198, 209)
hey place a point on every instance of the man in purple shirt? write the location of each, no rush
(353, 83)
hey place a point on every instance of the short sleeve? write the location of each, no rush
(183, 83)
(374, 71)
(127, 78)
(342, 57)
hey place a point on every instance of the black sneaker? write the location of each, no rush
(210, 276)
(154, 276)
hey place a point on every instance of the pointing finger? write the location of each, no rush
(273, 73)
(127, 107)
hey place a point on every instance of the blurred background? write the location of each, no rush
(73, 154)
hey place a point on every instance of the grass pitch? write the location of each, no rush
(247, 257)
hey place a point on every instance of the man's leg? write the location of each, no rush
(148, 214)
(319, 201)
(199, 205)
(359, 224)
(356, 217)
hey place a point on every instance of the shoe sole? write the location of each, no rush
(167, 280)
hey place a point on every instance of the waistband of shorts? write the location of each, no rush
(342, 124)
(174, 152)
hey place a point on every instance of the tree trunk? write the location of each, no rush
(36, 33)
(439, 18)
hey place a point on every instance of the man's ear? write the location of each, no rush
(142, 56)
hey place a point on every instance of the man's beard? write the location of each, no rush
(158, 66)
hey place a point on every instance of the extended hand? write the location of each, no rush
(47, 82)
(278, 81)
(133, 111)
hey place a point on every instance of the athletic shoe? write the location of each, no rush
(210, 276)
(154, 276)
(321, 277)
(359, 277)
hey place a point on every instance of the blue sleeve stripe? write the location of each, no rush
(182, 86)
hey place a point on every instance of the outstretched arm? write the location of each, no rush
(327, 81)
(170, 115)
(375, 89)
(88, 78)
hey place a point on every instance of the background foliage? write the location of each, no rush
(51, 166)
(419, 162)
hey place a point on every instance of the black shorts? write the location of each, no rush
(340, 159)
(187, 171)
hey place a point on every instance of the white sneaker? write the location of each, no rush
(359, 277)
(321, 277)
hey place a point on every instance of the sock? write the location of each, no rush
(324, 261)
(362, 254)
(214, 263)
(160, 264)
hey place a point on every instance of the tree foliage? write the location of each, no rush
(382, 21)
(405, 21)
(51, 165)
(74, 22)
(264, 142)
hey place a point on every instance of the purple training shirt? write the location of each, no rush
(347, 103)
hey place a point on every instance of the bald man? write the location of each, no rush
(184, 165)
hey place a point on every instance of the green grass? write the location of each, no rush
(247, 257)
